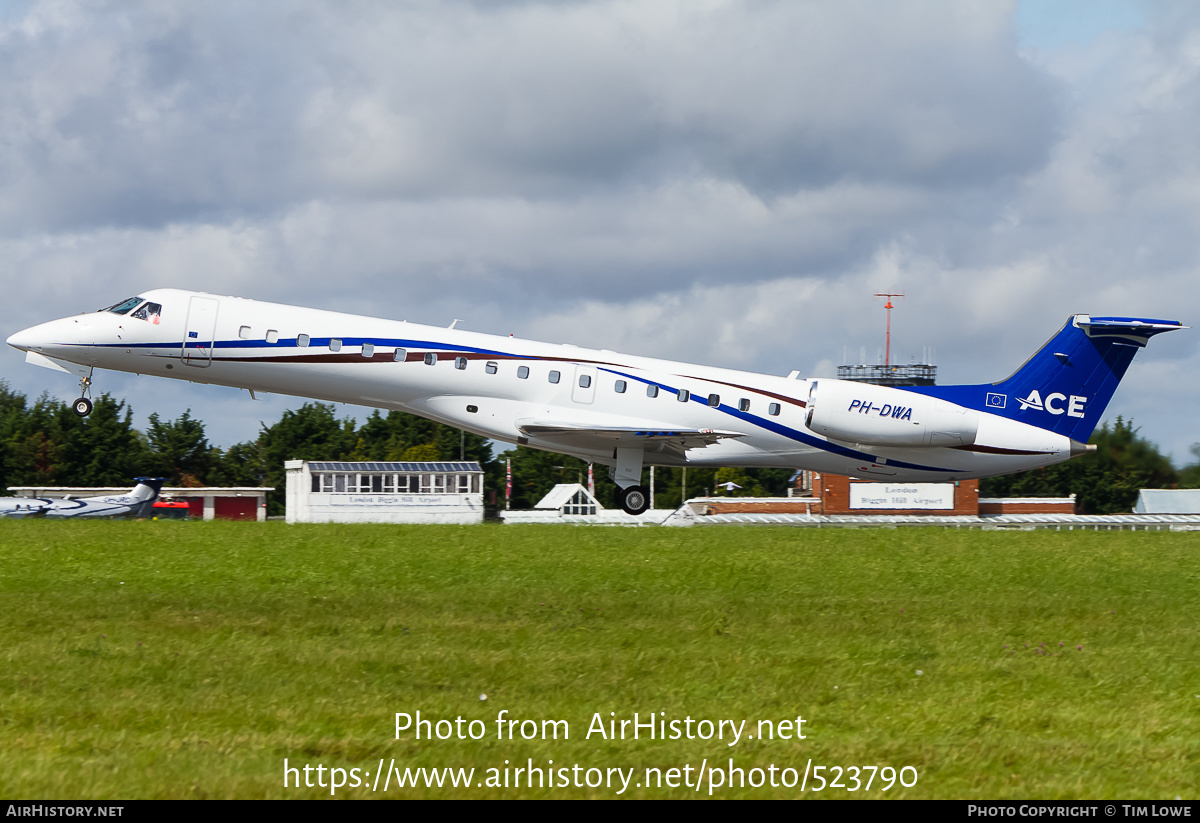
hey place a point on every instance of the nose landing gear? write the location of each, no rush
(83, 405)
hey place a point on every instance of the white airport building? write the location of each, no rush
(384, 492)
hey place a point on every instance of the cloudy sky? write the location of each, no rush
(718, 182)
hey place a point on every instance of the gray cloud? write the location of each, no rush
(718, 182)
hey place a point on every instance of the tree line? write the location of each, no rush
(44, 443)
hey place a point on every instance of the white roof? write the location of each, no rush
(561, 495)
(1168, 501)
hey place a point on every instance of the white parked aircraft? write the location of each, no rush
(138, 503)
(615, 409)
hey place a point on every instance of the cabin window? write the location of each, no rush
(124, 306)
(368, 350)
(272, 336)
(244, 332)
(491, 367)
(554, 377)
(652, 390)
(302, 340)
(399, 354)
(773, 409)
(522, 372)
(151, 312)
(335, 344)
(744, 404)
(684, 396)
(460, 363)
(619, 387)
(714, 400)
(430, 358)
(585, 381)
(316, 482)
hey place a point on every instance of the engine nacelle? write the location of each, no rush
(882, 416)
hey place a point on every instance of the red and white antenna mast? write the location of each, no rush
(887, 356)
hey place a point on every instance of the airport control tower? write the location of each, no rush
(889, 373)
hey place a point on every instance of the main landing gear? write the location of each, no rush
(634, 499)
(627, 474)
(83, 405)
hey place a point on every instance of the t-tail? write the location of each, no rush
(146, 492)
(1066, 386)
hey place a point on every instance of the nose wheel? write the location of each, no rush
(83, 405)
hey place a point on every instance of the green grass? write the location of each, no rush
(161, 659)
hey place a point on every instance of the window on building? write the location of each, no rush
(579, 504)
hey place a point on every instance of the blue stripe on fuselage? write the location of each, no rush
(323, 342)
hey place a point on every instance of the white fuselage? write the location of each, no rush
(505, 388)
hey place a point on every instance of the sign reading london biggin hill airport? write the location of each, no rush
(901, 496)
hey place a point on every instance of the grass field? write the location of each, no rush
(179, 660)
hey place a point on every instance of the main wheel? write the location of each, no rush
(634, 500)
(82, 406)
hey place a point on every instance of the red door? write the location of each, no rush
(236, 508)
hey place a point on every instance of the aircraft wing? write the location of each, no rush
(675, 441)
(18, 507)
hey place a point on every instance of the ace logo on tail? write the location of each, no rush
(1053, 403)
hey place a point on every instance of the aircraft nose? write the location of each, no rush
(48, 337)
(25, 339)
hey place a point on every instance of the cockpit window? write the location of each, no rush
(150, 311)
(124, 306)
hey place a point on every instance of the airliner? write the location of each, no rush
(618, 410)
(138, 502)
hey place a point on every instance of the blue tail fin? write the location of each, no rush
(1066, 386)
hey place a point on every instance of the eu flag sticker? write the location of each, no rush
(996, 401)
(193, 334)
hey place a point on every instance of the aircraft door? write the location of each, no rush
(199, 332)
(584, 390)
